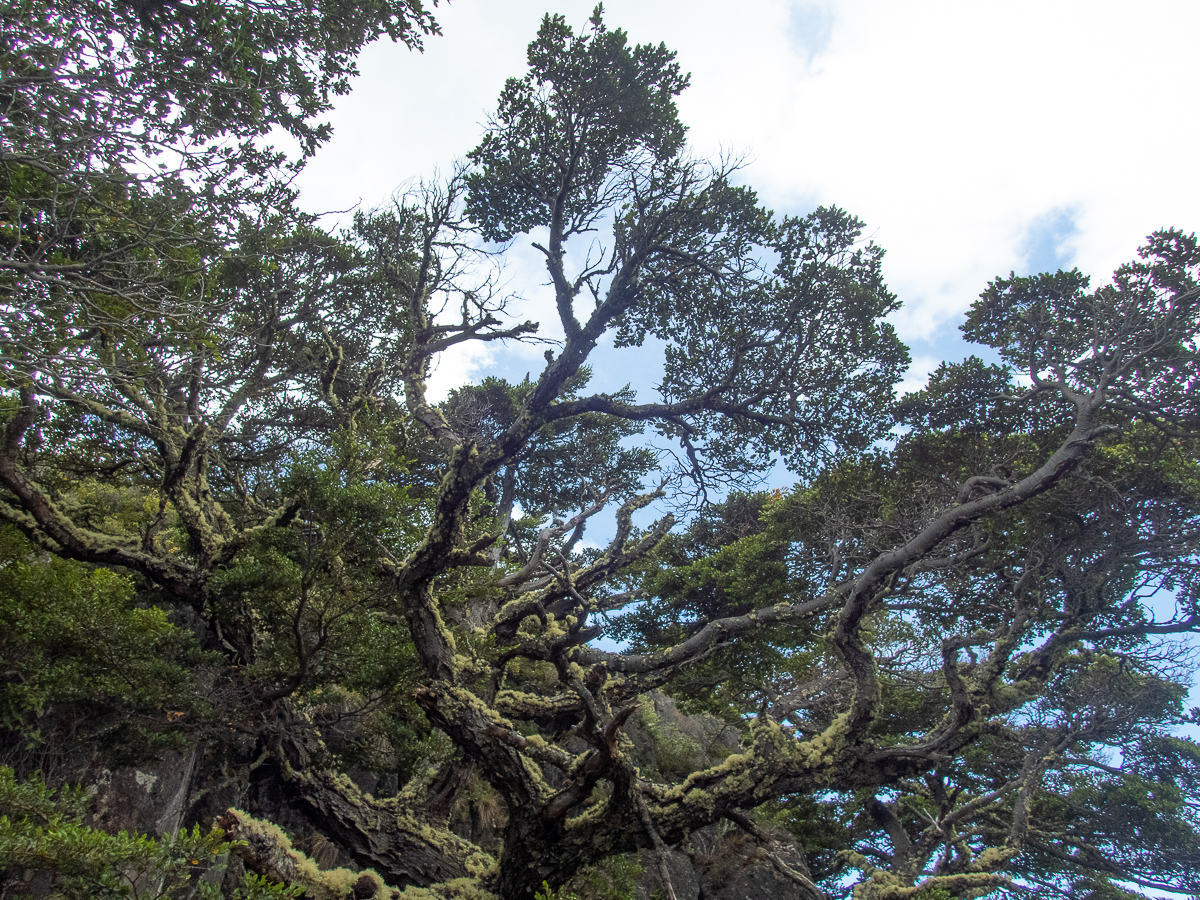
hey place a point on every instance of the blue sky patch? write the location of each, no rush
(1048, 243)
(810, 28)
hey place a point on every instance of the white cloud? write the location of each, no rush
(917, 376)
(459, 365)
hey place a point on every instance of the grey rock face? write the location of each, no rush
(733, 866)
(151, 798)
(684, 877)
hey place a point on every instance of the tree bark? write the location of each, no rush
(392, 836)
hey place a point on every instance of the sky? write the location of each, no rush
(973, 139)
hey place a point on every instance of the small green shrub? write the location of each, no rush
(41, 833)
(615, 878)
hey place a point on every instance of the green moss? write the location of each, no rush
(455, 889)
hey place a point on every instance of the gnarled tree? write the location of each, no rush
(926, 647)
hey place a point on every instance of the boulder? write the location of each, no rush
(151, 798)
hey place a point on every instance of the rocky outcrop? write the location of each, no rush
(151, 798)
(667, 744)
(721, 862)
(735, 865)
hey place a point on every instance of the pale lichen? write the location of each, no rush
(456, 889)
(267, 850)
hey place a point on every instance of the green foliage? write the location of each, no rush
(963, 395)
(731, 561)
(1125, 825)
(673, 755)
(142, 219)
(545, 892)
(822, 826)
(928, 647)
(41, 832)
(320, 603)
(1105, 542)
(615, 878)
(73, 637)
(261, 66)
(563, 457)
(593, 83)
(799, 350)
(814, 324)
(1053, 326)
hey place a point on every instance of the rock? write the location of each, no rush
(684, 878)
(759, 881)
(734, 867)
(667, 744)
(149, 799)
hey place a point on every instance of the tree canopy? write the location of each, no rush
(950, 662)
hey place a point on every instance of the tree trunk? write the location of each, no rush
(392, 836)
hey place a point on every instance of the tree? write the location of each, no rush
(926, 647)
(131, 146)
(154, 263)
